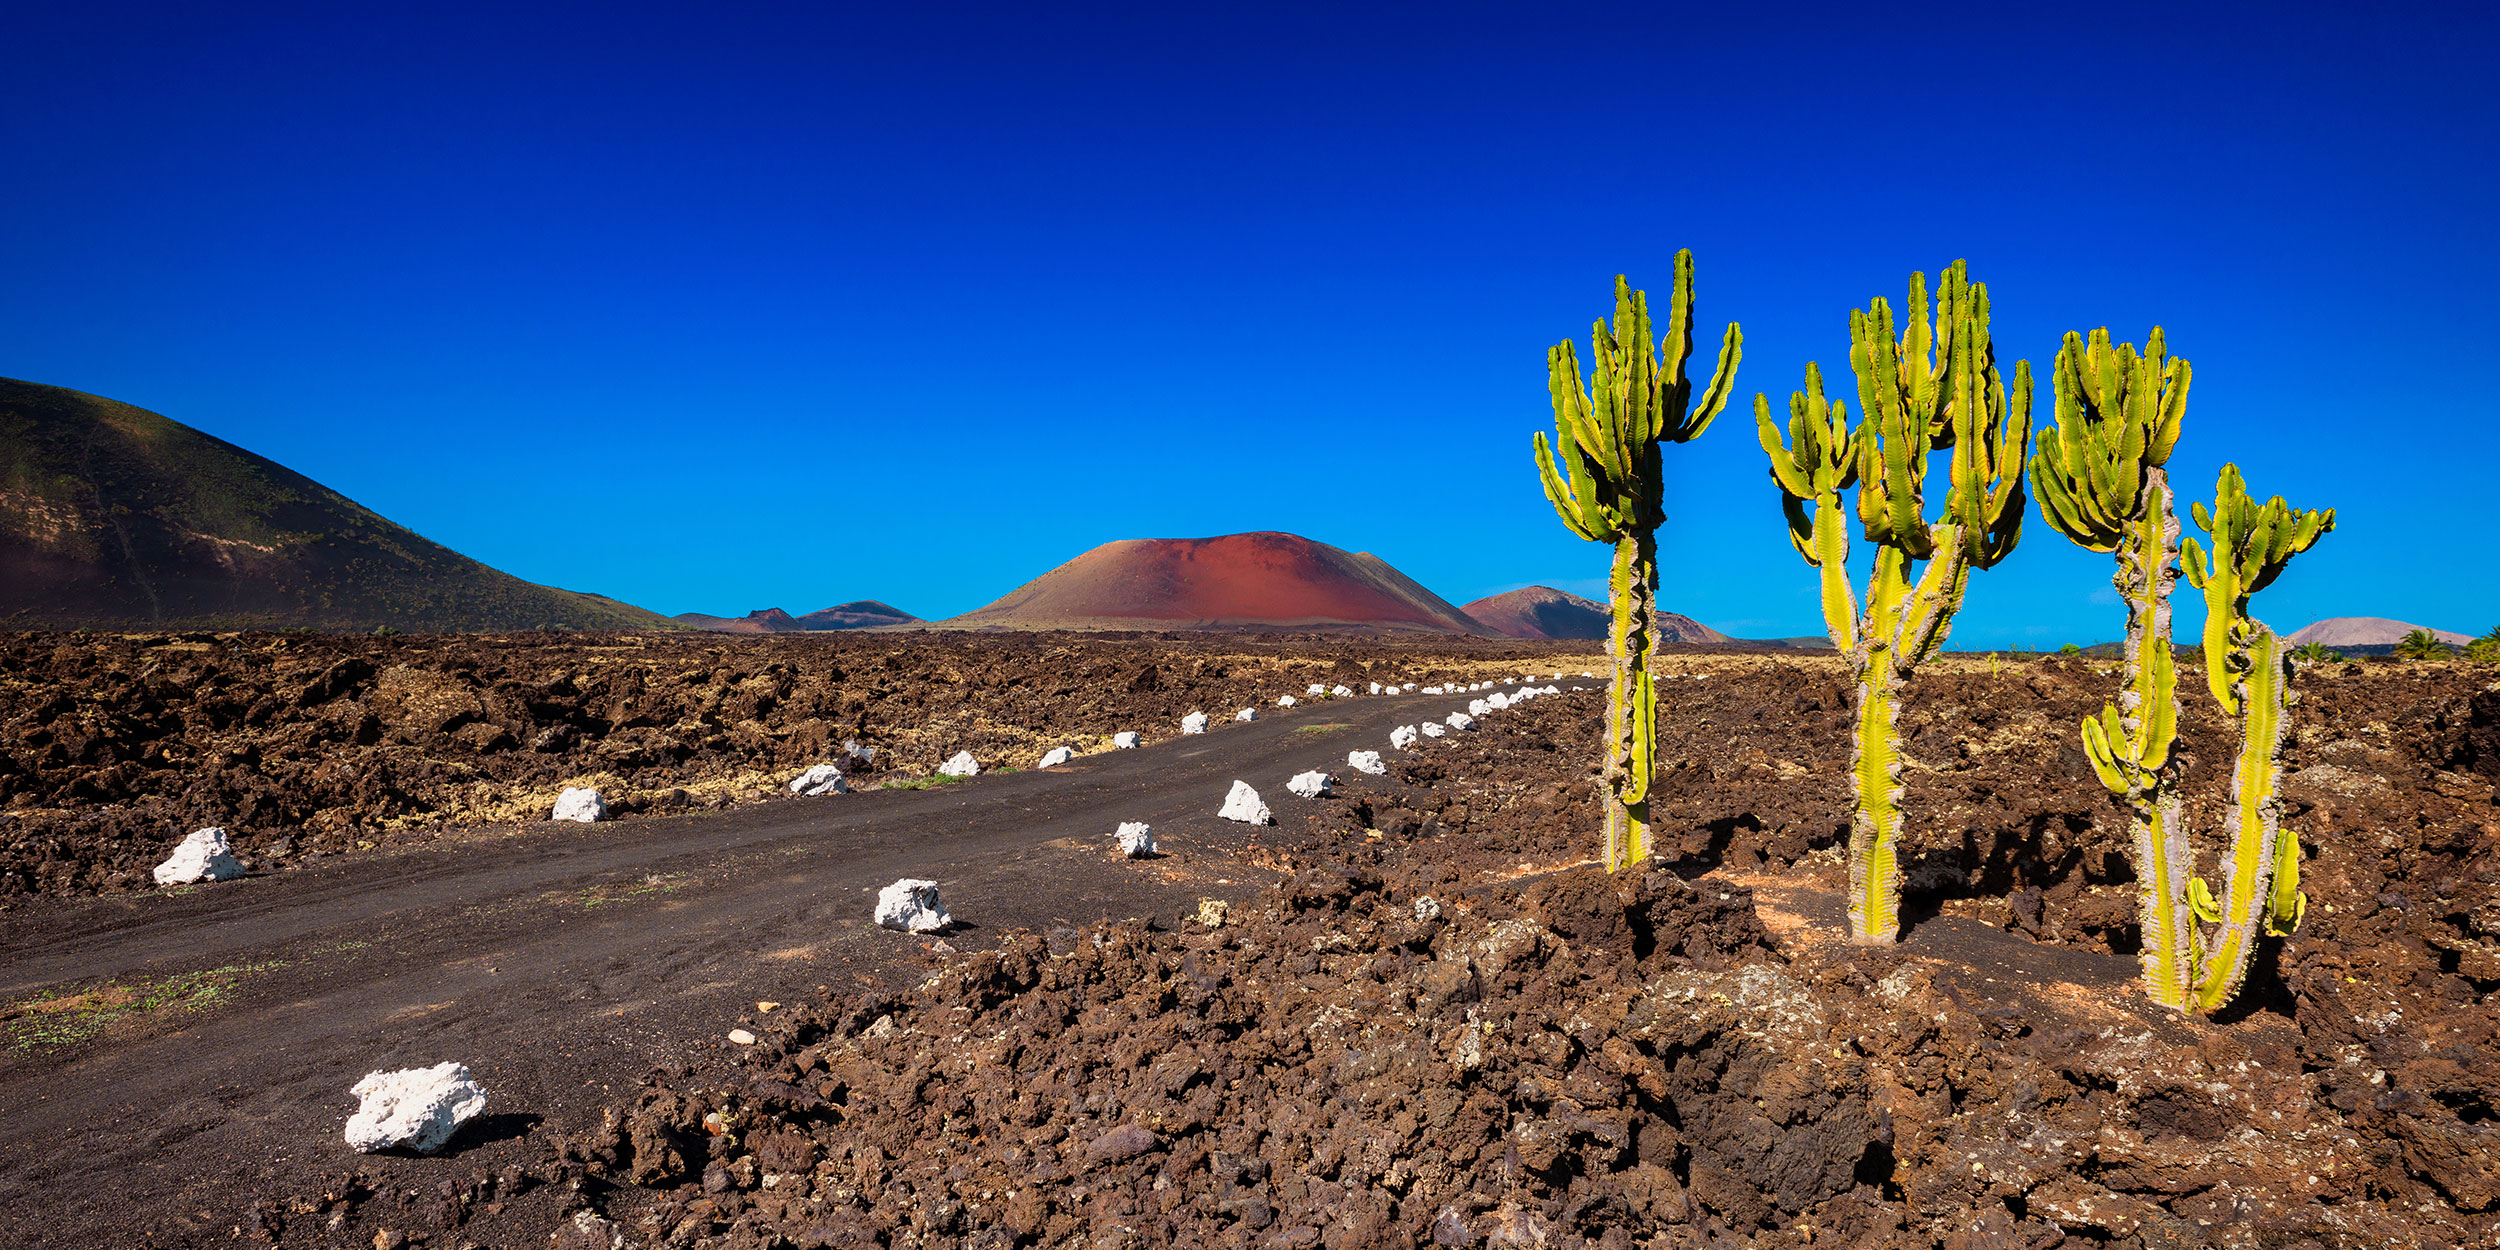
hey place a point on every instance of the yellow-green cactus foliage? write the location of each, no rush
(2118, 417)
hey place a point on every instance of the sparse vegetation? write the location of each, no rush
(2422, 644)
(2486, 649)
(59, 1017)
(2317, 653)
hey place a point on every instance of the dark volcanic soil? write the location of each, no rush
(1445, 1028)
(113, 747)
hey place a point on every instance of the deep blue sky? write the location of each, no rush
(717, 309)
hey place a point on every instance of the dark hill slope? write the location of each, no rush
(1544, 612)
(113, 516)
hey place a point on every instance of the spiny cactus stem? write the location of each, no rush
(2162, 856)
(2251, 896)
(1631, 639)
(1875, 835)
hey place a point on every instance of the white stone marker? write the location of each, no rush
(1366, 762)
(204, 856)
(912, 906)
(1461, 720)
(1242, 803)
(1284, 700)
(582, 805)
(1134, 839)
(1312, 784)
(418, 1108)
(962, 765)
(1248, 713)
(1402, 737)
(821, 779)
(1124, 741)
(1194, 723)
(1056, 756)
(1434, 729)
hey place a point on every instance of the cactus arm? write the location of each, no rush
(2163, 907)
(1840, 599)
(1927, 612)
(2250, 897)
(1573, 506)
(1722, 381)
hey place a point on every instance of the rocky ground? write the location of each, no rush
(1445, 1027)
(113, 747)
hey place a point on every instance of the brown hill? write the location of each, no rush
(858, 614)
(113, 516)
(767, 621)
(1232, 581)
(2366, 631)
(1544, 612)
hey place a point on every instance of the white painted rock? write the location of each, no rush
(1316, 690)
(1375, 687)
(1432, 690)
(1056, 756)
(1312, 784)
(1409, 687)
(1340, 692)
(1478, 707)
(822, 779)
(1587, 674)
(1366, 762)
(1461, 720)
(1497, 701)
(580, 805)
(1548, 690)
(418, 1108)
(962, 765)
(1242, 803)
(1124, 741)
(1248, 713)
(1284, 700)
(204, 856)
(1194, 723)
(912, 906)
(1135, 839)
(1434, 729)
(1402, 737)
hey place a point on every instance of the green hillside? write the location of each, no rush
(112, 517)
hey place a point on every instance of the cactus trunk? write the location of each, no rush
(2265, 863)
(2148, 554)
(1875, 832)
(1632, 700)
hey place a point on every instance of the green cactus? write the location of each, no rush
(2101, 479)
(1935, 388)
(2250, 676)
(1609, 489)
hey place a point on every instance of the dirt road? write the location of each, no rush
(558, 964)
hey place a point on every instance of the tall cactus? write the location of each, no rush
(1609, 490)
(2249, 673)
(1935, 388)
(2101, 477)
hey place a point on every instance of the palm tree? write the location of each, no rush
(2421, 644)
(2485, 649)
(2316, 653)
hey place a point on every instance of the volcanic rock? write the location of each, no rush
(1460, 720)
(204, 856)
(415, 1108)
(1134, 838)
(912, 906)
(1435, 729)
(1312, 784)
(1402, 737)
(821, 779)
(1242, 803)
(1366, 762)
(581, 805)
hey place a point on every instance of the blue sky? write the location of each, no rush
(716, 308)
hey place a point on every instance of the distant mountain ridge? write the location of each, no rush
(857, 614)
(1233, 581)
(1544, 612)
(115, 517)
(2366, 631)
